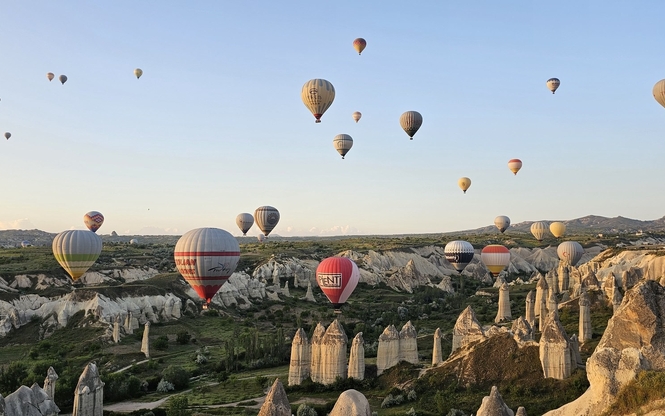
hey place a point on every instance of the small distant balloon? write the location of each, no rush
(558, 229)
(244, 221)
(411, 122)
(514, 165)
(539, 229)
(266, 218)
(50, 76)
(359, 45)
(553, 84)
(7, 135)
(93, 220)
(502, 223)
(356, 116)
(261, 238)
(464, 183)
(318, 96)
(138, 72)
(343, 143)
(63, 79)
(133, 241)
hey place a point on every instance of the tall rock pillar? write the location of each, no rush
(315, 367)
(554, 348)
(333, 353)
(585, 330)
(503, 314)
(531, 308)
(467, 329)
(387, 354)
(145, 343)
(541, 293)
(437, 354)
(49, 382)
(357, 358)
(300, 358)
(408, 344)
(89, 393)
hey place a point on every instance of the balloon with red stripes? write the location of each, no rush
(337, 277)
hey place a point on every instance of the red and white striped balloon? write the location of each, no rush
(496, 258)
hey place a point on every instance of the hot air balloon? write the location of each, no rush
(133, 241)
(337, 277)
(7, 135)
(244, 222)
(464, 183)
(502, 223)
(558, 229)
(539, 229)
(459, 253)
(659, 92)
(76, 251)
(553, 84)
(50, 76)
(266, 218)
(343, 143)
(138, 72)
(63, 79)
(570, 252)
(206, 257)
(495, 257)
(356, 116)
(411, 122)
(359, 45)
(93, 220)
(261, 238)
(514, 165)
(317, 95)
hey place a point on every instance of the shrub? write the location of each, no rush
(178, 406)
(178, 376)
(164, 386)
(161, 343)
(304, 410)
(183, 337)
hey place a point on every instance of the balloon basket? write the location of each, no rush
(205, 306)
(337, 311)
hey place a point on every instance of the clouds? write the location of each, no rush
(20, 224)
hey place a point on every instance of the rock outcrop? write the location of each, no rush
(29, 401)
(522, 331)
(49, 382)
(300, 358)
(585, 330)
(276, 403)
(357, 358)
(521, 411)
(493, 405)
(315, 367)
(503, 313)
(542, 289)
(564, 277)
(89, 393)
(617, 298)
(437, 354)
(116, 329)
(351, 403)
(333, 353)
(309, 295)
(387, 354)
(555, 349)
(575, 358)
(552, 303)
(145, 343)
(408, 345)
(467, 329)
(531, 308)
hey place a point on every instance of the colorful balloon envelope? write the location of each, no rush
(359, 44)
(570, 252)
(553, 84)
(411, 122)
(62, 79)
(50, 76)
(357, 115)
(539, 230)
(514, 165)
(558, 229)
(244, 221)
(261, 238)
(93, 220)
(76, 251)
(138, 72)
(496, 258)
(502, 223)
(343, 143)
(464, 183)
(206, 258)
(266, 218)
(459, 253)
(317, 95)
(659, 92)
(337, 277)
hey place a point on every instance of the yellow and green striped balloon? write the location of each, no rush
(76, 251)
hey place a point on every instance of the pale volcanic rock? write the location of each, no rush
(522, 331)
(543, 258)
(446, 285)
(285, 290)
(116, 329)
(43, 401)
(301, 356)
(493, 405)
(499, 282)
(26, 401)
(590, 280)
(575, 357)
(575, 277)
(351, 403)
(408, 344)
(555, 349)
(276, 270)
(89, 393)
(276, 402)
(585, 329)
(564, 277)
(503, 313)
(552, 278)
(406, 278)
(145, 343)
(542, 289)
(49, 382)
(521, 411)
(531, 308)
(552, 303)
(333, 353)
(21, 281)
(467, 329)
(437, 354)
(309, 296)
(616, 299)
(387, 354)
(609, 284)
(633, 341)
(650, 265)
(315, 367)
(357, 358)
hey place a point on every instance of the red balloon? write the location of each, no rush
(337, 277)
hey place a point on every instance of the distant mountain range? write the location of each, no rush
(591, 224)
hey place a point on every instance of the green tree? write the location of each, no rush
(178, 376)
(183, 337)
(178, 406)
(12, 377)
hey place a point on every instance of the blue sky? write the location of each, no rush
(216, 126)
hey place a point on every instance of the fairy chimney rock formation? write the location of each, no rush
(300, 358)
(542, 316)
(49, 382)
(541, 293)
(285, 291)
(129, 329)
(585, 331)
(609, 284)
(351, 403)
(145, 343)
(555, 349)
(89, 393)
(552, 303)
(43, 402)
(564, 277)
(116, 329)
(387, 354)
(521, 411)
(357, 358)
(493, 405)
(531, 308)
(437, 354)
(503, 314)
(522, 331)
(500, 281)
(467, 329)
(616, 299)
(552, 279)
(309, 296)
(575, 357)
(28, 401)
(276, 403)
(408, 344)
(333, 353)
(315, 366)
(590, 280)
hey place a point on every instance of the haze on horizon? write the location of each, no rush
(215, 126)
